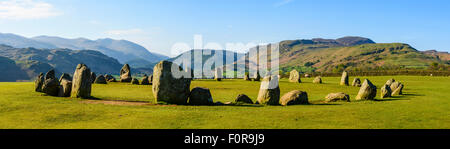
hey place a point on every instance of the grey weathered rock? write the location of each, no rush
(389, 82)
(334, 97)
(65, 76)
(242, 98)
(269, 92)
(100, 80)
(386, 91)
(110, 78)
(318, 80)
(294, 76)
(247, 77)
(51, 84)
(218, 74)
(134, 81)
(81, 84)
(145, 80)
(200, 96)
(93, 77)
(65, 88)
(368, 91)
(125, 73)
(356, 82)
(344, 79)
(256, 77)
(166, 87)
(397, 88)
(294, 98)
(39, 82)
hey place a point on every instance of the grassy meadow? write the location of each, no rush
(426, 104)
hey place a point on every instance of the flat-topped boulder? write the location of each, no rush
(51, 84)
(335, 97)
(368, 91)
(295, 97)
(81, 84)
(294, 76)
(269, 92)
(344, 79)
(200, 96)
(125, 73)
(169, 88)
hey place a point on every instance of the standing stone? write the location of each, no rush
(110, 78)
(269, 92)
(294, 98)
(398, 89)
(334, 97)
(247, 77)
(145, 80)
(51, 84)
(100, 80)
(218, 74)
(256, 77)
(294, 76)
(242, 98)
(65, 76)
(39, 82)
(125, 73)
(368, 91)
(356, 82)
(168, 88)
(318, 80)
(386, 91)
(93, 77)
(81, 84)
(389, 82)
(151, 79)
(344, 79)
(395, 85)
(134, 81)
(65, 88)
(200, 96)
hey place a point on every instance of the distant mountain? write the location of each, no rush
(445, 56)
(122, 50)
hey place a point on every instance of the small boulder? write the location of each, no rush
(269, 92)
(39, 82)
(110, 78)
(368, 91)
(307, 76)
(134, 81)
(242, 98)
(51, 84)
(81, 84)
(356, 82)
(125, 73)
(334, 97)
(294, 98)
(385, 91)
(294, 76)
(200, 96)
(344, 79)
(145, 80)
(318, 80)
(100, 80)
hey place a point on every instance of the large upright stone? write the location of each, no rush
(145, 80)
(166, 87)
(200, 96)
(218, 74)
(294, 76)
(294, 98)
(368, 91)
(317, 80)
(51, 84)
(100, 80)
(247, 77)
(81, 84)
(344, 79)
(356, 82)
(39, 82)
(125, 73)
(269, 92)
(65, 88)
(386, 91)
(397, 88)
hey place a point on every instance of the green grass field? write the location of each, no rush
(426, 104)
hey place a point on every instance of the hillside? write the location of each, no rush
(10, 71)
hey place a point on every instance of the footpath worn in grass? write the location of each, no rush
(426, 104)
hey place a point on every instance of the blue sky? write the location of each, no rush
(158, 25)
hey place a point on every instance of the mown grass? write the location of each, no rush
(425, 105)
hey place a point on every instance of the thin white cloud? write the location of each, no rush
(135, 31)
(26, 9)
(282, 3)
